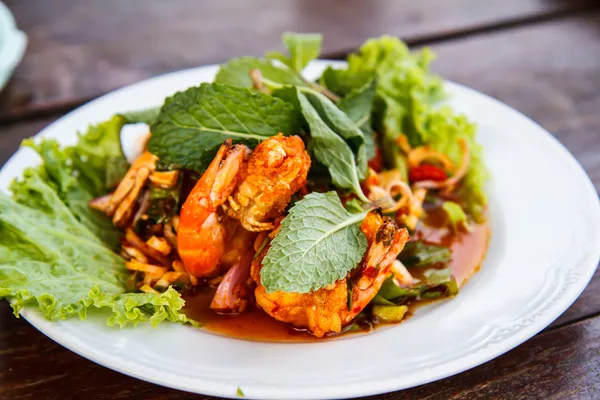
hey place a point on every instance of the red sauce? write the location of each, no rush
(253, 324)
(468, 250)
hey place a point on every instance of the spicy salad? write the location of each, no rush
(330, 205)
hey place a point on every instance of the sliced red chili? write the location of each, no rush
(427, 172)
(377, 161)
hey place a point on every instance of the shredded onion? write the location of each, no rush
(420, 154)
(401, 274)
(396, 187)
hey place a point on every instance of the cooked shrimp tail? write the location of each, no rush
(385, 246)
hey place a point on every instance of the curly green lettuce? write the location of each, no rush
(55, 253)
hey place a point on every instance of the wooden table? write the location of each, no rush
(540, 56)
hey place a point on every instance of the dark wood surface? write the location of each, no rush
(79, 50)
(541, 57)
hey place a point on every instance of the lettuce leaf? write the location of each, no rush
(55, 253)
(97, 158)
(59, 174)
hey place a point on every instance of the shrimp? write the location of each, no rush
(252, 190)
(201, 236)
(277, 169)
(331, 308)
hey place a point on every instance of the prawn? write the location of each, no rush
(201, 236)
(252, 189)
(335, 306)
(277, 169)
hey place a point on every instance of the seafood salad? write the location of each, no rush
(263, 205)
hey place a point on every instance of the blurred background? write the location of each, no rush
(542, 57)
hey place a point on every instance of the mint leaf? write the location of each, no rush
(358, 106)
(193, 124)
(319, 242)
(327, 146)
(147, 116)
(303, 48)
(342, 82)
(341, 124)
(237, 73)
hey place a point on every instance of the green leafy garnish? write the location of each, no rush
(318, 243)
(147, 116)
(54, 253)
(97, 157)
(456, 215)
(418, 254)
(164, 204)
(193, 124)
(303, 48)
(435, 282)
(407, 102)
(354, 206)
(358, 106)
(59, 173)
(391, 314)
(237, 73)
(239, 392)
(329, 147)
(342, 82)
(391, 292)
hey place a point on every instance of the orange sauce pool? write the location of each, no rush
(253, 324)
(468, 251)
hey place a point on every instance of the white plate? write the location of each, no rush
(545, 246)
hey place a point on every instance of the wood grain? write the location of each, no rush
(79, 50)
(560, 364)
